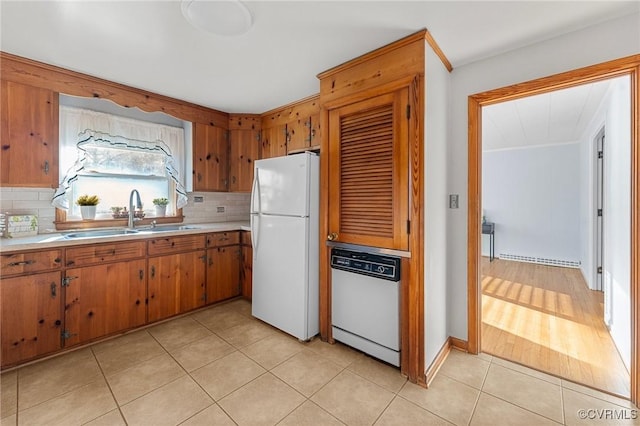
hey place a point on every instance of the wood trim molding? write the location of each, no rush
(452, 343)
(432, 42)
(412, 38)
(61, 80)
(624, 66)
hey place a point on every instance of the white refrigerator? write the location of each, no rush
(284, 234)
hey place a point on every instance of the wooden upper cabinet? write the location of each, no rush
(299, 134)
(369, 171)
(29, 136)
(244, 141)
(210, 158)
(274, 141)
(314, 138)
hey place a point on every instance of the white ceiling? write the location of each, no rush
(149, 45)
(556, 117)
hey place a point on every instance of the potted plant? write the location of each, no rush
(88, 205)
(161, 206)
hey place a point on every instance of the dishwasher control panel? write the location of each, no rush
(384, 267)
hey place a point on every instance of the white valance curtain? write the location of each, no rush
(147, 149)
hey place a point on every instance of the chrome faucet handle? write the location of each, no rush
(153, 223)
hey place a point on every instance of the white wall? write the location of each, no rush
(532, 195)
(607, 41)
(435, 159)
(617, 221)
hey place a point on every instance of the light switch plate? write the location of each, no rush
(453, 201)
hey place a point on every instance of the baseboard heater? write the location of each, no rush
(541, 260)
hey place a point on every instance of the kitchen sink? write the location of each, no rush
(100, 233)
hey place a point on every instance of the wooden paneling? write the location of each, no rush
(624, 66)
(38, 74)
(31, 317)
(385, 65)
(30, 262)
(29, 136)
(244, 141)
(210, 158)
(104, 299)
(100, 253)
(175, 244)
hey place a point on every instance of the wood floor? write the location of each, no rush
(546, 318)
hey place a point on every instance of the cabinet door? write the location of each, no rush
(298, 134)
(176, 284)
(104, 299)
(274, 141)
(223, 273)
(369, 172)
(210, 158)
(29, 135)
(315, 136)
(247, 271)
(244, 149)
(31, 316)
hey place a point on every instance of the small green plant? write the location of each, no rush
(88, 200)
(116, 210)
(160, 201)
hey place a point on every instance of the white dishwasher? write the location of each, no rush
(365, 302)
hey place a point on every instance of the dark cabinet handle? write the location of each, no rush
(141, 273)
(54, 290)
(46, 167)
(22, 263)
(153, 271)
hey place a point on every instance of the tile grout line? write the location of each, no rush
(104, 376)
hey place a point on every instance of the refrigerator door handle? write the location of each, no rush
(254, 192)
(255, 218)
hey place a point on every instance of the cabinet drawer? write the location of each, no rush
(87, 255)
(245, 238)
(23, 263)
(175, 244)
(223, 239)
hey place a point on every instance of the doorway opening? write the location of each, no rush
(625, 67)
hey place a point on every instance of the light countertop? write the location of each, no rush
(43, 241)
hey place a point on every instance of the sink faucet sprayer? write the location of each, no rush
(131, 207)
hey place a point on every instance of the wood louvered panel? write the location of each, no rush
(366, 172)
(368, 194)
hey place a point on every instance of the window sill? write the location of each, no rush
(65, 225)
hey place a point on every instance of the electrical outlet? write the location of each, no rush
(220, 209)
(453, 201)
(198, 199)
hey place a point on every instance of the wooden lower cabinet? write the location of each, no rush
(223, 273)
(176, 284)
(104, 299)
(247, 271)
(31, 317)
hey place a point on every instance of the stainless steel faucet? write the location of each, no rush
(132, 208)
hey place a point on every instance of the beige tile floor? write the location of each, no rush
(220, 366)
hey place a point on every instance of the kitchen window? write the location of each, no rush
(108, 156)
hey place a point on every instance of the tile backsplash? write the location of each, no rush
(215, 206)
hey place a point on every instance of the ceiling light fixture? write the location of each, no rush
(220, 17)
